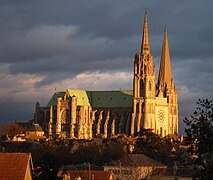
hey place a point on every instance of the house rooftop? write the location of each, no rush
(138, 160)
(14, 165)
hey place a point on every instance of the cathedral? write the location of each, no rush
(152, 104)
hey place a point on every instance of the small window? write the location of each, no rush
(161, 131)
(99, 98)
(124, 98)
(111, 98)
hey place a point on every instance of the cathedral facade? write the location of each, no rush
(86, 114)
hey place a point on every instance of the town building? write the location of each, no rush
(151, 105)
(85, 174)
(16, 166)
(135, 166)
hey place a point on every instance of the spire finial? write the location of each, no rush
(165, 28)
(145, 39)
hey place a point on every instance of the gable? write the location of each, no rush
(82, 98)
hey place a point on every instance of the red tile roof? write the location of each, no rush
(13, 166)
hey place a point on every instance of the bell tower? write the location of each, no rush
(166, 88)
(143, 84)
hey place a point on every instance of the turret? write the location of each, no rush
(36, 115)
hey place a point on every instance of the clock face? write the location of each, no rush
(161, 115)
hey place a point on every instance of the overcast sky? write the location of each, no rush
(47, 45)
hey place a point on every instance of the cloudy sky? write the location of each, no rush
(47, 45)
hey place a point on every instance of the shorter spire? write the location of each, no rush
(165, 72)
(145, 39)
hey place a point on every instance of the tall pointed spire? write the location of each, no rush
(145, 39)
(165, 72)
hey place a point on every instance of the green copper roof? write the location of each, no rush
(53, 100)
(97, 99)
(82, 98)
(109, 99)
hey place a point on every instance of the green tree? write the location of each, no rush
(112, 151)
(153, 146)
(90, 153)
(200, 134)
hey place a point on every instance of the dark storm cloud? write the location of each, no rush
(53, 40)
(76, 58)
(16, 111)
(109, 20)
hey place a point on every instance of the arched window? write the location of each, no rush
(65, 120)
(141, 88)
(137, 107)
(150, 85)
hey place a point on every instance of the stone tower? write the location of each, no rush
(166, 89)
(143, 84)
(154, 105)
